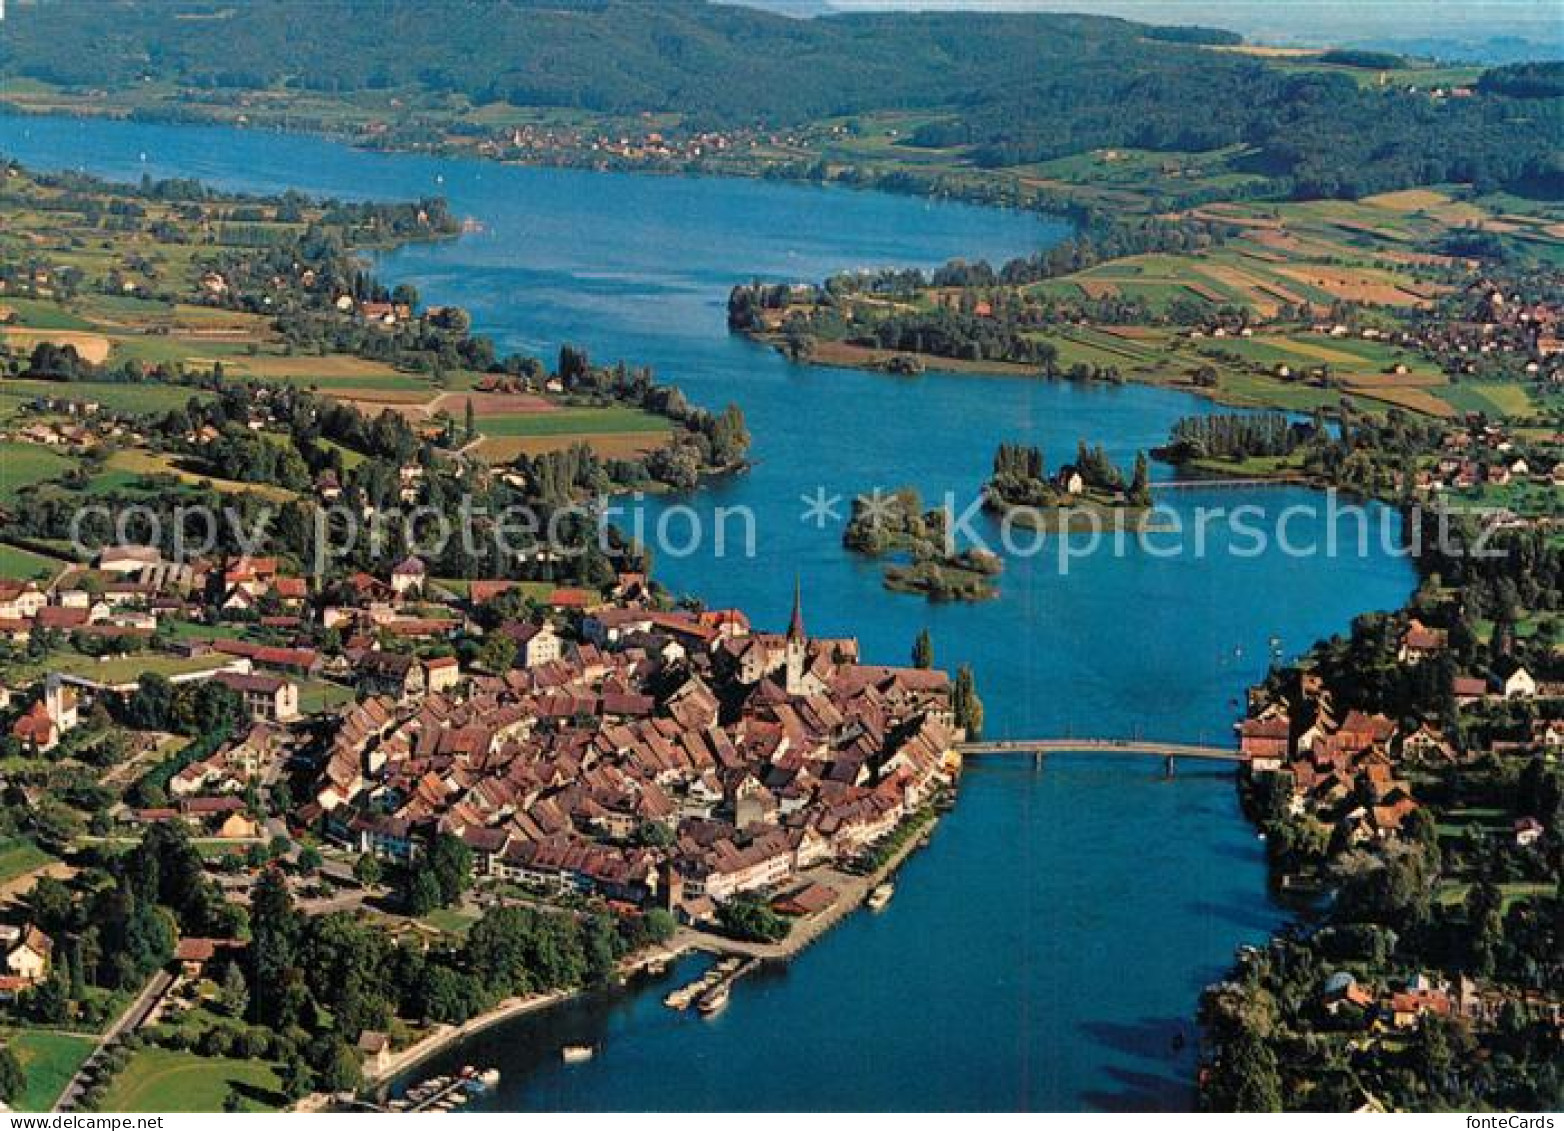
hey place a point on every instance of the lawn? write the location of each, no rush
(114, 672)
(572, 421)
(165, 1080)
(25, 565)
(22, 465)
(49, 1060)
(132, 464)
(350, 458)
(19, 856)
(127, 669)
(318, 696)
(450, 921)
(1454, 893)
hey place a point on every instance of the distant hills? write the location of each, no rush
(1008, 89)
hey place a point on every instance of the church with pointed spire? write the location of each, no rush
(786, 665)
(797, 647)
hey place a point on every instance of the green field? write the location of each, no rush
(19, 856)
(164, 1080)
(119, 670)
(24, 565)
(41, 314)
(572, 421)
(48, 1060)
(350, 458)
(22, 465)
(1493, 398)
(116, 396)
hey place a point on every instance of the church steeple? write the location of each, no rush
(796, 653)
(795, 628)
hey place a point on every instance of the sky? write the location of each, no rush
(1310, 21)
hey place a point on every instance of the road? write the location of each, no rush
(134, 1017)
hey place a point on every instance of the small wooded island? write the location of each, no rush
(1023, 491)
(895, 525)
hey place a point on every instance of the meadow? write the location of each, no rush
(158, 1079)
(48, 1060)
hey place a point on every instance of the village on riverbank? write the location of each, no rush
(220, 762)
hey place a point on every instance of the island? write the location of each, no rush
(1023, 490)
(896, 525)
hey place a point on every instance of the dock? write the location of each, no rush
(711, 985)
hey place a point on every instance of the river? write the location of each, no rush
(1049, 946)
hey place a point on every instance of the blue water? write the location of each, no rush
(1047, 947)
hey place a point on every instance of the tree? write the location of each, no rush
(748, 917)
(342, 1072)
(470, 421)
(923, 650)
(1140, 482)
(310, 859)
(498, 653)
(235, 991)
(273, 950)
(423, 892)
(297, 1079)
(1245, 1077)
(12, 1078)
(965, 705)
(450, 863)
(368, 871)
(48, 1001)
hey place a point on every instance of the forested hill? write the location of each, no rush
(1010, 88)
(718, 61)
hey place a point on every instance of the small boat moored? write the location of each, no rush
(576, 1054)
(880, 896)
(713, 1001)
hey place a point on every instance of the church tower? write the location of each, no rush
(797, 644)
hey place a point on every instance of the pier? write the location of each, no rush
(712, 987)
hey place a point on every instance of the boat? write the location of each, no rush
(576, 1054)
(713, 1001)
(480, 1083)
(881, 896)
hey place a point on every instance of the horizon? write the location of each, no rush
(1301, 22)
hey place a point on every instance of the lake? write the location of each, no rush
(1048, 948)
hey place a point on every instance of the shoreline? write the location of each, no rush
(1063, 209)
(838, 355)
(444, 1036)
(853, 891)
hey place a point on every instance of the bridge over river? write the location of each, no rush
(1229, 483)
(1040, 748)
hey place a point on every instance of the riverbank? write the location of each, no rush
(852, 892)
(912, 364)
(442, 1037)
